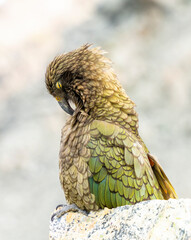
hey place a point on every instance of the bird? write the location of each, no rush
(103, 161)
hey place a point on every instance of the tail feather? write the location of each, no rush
(166, 187)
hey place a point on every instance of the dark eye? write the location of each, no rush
(58, 85)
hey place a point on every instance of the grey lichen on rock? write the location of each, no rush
(156, 219)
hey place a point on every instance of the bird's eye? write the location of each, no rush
(58, 85)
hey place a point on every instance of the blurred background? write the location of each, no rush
(149, 43)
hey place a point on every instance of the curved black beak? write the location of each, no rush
(66, 106)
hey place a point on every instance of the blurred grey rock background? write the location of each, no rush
(149, 43)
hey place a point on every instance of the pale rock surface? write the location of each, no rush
(156, 219)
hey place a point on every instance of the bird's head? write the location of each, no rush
(78, 76)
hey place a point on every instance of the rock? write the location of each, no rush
(156, 219)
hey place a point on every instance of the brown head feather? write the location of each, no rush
(88, 79)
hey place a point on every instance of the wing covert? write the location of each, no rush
(121, 171)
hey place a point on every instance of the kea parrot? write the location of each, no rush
(103, 162)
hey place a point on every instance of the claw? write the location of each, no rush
(52, 217)
(59, 206)
(65, 209)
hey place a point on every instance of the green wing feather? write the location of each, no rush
(121, 171)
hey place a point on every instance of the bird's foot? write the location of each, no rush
(63, 209)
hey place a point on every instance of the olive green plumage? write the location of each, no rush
(103, 160)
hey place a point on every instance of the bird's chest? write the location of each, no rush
(73, 146)
(74, 169)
